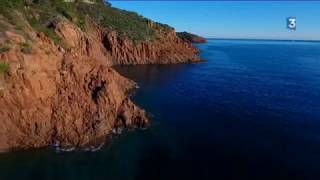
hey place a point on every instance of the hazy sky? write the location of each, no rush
(233, 19)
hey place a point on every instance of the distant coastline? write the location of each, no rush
(244, 39)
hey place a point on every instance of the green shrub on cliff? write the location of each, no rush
(36, 25)
(5, 48)
(12, 4)
(7, 7)
(4, 67)
(25, 48)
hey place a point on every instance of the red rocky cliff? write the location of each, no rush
(71, 95)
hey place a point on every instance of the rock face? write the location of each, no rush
(192, 38)
(168, 49)
(71, 95)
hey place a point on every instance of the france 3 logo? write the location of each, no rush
(292, 23)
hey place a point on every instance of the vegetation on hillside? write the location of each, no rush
(4, 67)
(39, 13)
(5, 48)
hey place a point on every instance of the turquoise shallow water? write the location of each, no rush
(252, 111)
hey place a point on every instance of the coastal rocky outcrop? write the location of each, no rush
(168, 49)
(68, 94)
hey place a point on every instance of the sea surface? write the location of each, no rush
(251, 111)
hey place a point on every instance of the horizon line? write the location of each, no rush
(262, 39)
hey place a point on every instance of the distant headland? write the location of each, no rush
(193, 38)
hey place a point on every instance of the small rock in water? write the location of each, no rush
(93, 148)
(119, 131)
(65, 149)
(97, 148)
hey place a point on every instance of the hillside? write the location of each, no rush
(57, 84)
(39, 13)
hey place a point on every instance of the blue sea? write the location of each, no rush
(250, 111)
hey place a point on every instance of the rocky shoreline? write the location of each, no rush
(71, 94)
